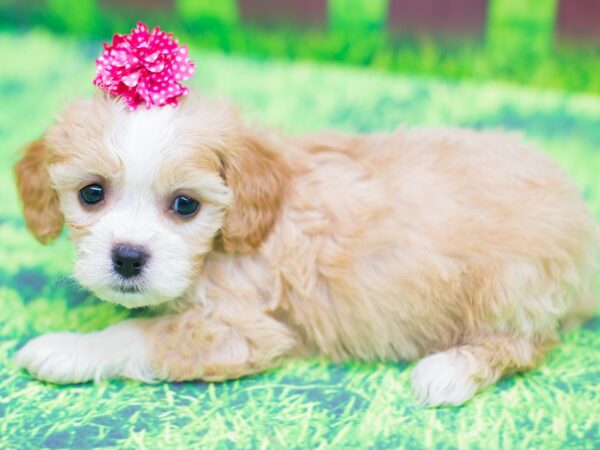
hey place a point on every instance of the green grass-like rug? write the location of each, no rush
(305, 404)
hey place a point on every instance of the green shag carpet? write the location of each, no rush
(305, 404)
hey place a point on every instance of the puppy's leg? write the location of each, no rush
(117, 351)
(218, 346)
(453, 376)
(187, 346)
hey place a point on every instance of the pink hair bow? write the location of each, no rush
(144, 67)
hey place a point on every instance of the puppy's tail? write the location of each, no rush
(584, 308)
(586, 303)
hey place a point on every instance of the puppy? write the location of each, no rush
(463, 249)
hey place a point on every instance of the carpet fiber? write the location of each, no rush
(305, 404)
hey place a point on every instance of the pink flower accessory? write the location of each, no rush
(144, 67)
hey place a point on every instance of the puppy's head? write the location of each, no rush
(146, 195)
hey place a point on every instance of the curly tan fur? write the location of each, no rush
(257, 177)
(40, 201)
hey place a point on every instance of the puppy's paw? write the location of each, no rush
(118, 351)
(57, 357)
(445, 378)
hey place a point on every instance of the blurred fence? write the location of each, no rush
(572, 20)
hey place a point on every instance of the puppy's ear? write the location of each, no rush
(257, 177)
(40, 201)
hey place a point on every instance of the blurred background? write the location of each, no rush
(527, 66)
(545, 43)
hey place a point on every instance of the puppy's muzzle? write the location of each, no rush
(128, 260)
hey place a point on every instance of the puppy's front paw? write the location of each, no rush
(445, 378)
(57, 357)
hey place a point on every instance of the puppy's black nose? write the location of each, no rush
(128, 260)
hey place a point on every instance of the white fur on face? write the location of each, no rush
(155, 162)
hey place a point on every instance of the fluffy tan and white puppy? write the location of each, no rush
(465, 249)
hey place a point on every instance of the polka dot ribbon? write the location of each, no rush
(144, 67)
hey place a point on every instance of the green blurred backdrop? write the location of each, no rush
(546, 43)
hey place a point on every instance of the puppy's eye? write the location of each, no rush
(185, 206)
(92, 194)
